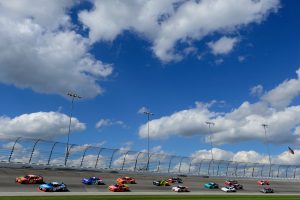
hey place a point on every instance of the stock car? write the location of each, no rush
(230, 182)
(161, 183)
(180, 188)
(238, 186)
(30, 179)
(228, 189)
(126, 180)
(266, 190)
(175, 180)
(53, 187)
(211, 185)
(263, 182)
(93, 181)
(118, 188)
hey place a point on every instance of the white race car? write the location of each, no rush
(228, 189)
(180, 188)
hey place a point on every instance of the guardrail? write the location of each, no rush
(50, 153)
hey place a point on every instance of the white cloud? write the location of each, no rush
(283, 94)
(170, 22)
(108, 122)
(142, 110)
(240, 124)
(222, 46)
(41, 52)
(45, 125)
(247, 156)
(241, 58)
(257, 90)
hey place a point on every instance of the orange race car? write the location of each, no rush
(30, 179)
(126, 179)
(118, 188)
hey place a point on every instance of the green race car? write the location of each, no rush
(211, 185)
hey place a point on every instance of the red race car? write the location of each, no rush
(30, 179)
(118, 188)
(126, 179)
(230, 182)
(263, 182)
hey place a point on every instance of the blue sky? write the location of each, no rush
(186, 61)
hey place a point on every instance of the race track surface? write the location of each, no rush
(144, 185)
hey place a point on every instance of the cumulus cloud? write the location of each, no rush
(257, 90)
(41, 51)
(171, 22)
(283, 94)
(222, 46)
(44, 125)
(246, 156)
(108, 122)
(143, 109)
(241, 124)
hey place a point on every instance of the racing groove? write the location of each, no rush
(144, 182)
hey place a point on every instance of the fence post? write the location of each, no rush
(136, 160)
(227, 167)
(83, 155)
(200, 164)
(208, 171)
(67, 157)
(50, 155)
(124, 160)
(13, 148)
(180, 164)
(98, 157)
(111, 158)
(286, 172)
(33, 150)
(171, 158)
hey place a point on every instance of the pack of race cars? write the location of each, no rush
(121, 184)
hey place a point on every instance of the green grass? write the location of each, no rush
(156, 197)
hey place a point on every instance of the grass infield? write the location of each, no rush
(156, 197)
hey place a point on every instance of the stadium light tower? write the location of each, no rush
(148, 146)
(73, 96)
(210, 133)
(265, 126)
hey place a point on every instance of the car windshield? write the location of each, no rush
(26, 176)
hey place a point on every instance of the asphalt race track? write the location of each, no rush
(72, 179)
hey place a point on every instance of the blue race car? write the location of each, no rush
(53, 187)
(93, 181)
(211, 185)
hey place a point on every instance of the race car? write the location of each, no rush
(230, 182)
(175, 180)
(211, 185)
(93, 181)
(126, 179)
(30, 179)
(53, 187)
(228, 189)
(180, 188)
(119, 188)
(266, 190)
(238, 186)
(263, 182)
(161, 183)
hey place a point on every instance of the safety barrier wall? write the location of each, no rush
(49, 153)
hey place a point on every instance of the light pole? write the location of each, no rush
(265, 126)
(73, 96)
(212, 155)
(210, 133)
(148, 117)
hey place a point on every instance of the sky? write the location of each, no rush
(234, 63)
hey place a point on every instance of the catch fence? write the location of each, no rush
(49, 153)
